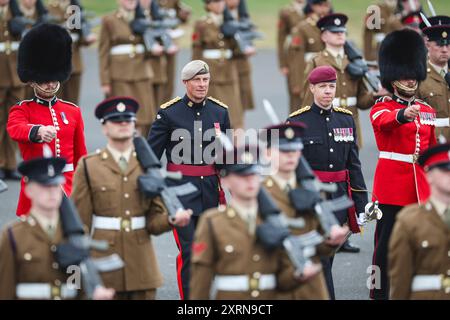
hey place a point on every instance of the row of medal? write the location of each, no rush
(427, 118)
(343, 134)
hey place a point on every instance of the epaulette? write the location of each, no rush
(423, 102)
(170, 103)
(342, 110)
(68, 102)
(20, 103)
(220, 103)
(299, 111)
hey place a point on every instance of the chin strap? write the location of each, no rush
(405, 90)
(38, 89)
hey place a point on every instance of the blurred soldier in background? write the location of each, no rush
(173, 8)
(12, 90)
(59, 9)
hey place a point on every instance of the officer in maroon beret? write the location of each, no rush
(330, 147)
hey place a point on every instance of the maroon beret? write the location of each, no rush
(322, 74)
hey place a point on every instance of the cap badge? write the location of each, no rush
(121, 107)
(289, 133)
(247, 158)
(51, 170)
(337, 21)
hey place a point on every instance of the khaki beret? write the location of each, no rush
(194, 68)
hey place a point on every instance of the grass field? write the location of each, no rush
(265, 14)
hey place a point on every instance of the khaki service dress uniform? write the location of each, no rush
(111, 206)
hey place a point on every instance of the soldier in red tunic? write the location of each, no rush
(44, 61)
(403, 127)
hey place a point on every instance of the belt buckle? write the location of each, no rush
(55, 292)
(415, 157)
(222, 54)
(8, 47)
(133, 51)
(125, 224)
(253, 284)
(343, 102)
(445, 283)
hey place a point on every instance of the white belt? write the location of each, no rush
(442, 122)
(217, 54)
(344, 102)
(127, 49)
(68, 167)
(430, 282)
(111, 223)
(75, 37)
(409, 158)
(12, 46)
(245, 283)
(309, 56)
(44, 291)
(379, 37)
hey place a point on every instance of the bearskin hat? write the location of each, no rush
(45, 54)
(402, 56)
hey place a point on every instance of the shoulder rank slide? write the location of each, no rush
(342, 110)
(300, 111)
(170, 103)
(220, 103)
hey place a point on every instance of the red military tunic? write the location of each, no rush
(398, 182)
(24, 121)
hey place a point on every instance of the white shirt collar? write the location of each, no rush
(439, 206)
(216, 18)
(282, 183)
(335, 53)
(46, 222)
(117, 154)
(438, 68)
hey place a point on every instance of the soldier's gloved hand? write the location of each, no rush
(90, 39)
(182, 218)
(362, 220)
(337, 235)
(250, 51)
(412, 112)
(284, 71)
(102, 293)
(106, 89)
(310, 271)
(157, 50)
(172, 50)
(46, 133)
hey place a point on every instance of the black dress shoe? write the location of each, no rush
(13, 175)
(2, 174)
(349, 247)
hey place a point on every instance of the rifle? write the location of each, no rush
(75, 251)
(242, 30)
(3, 186)
(274, 233)
(158, 30)
(308, 197)
(358, 68)
(154, 181)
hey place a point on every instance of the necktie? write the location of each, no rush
(288, 188)
(123, 164)
(447, 216)
(443, 73)
(251, 220)
(50, 231)
(339, 60)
